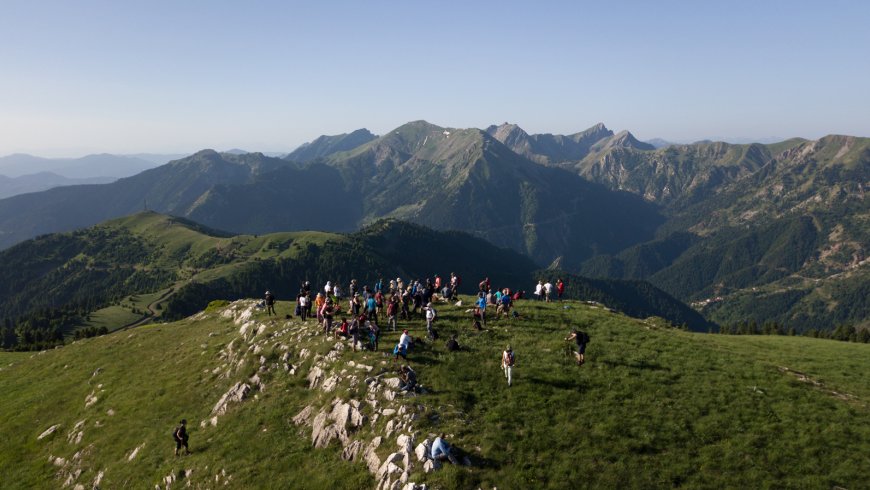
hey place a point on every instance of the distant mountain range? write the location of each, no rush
(12, 186)
(87, 167)
(774, 231)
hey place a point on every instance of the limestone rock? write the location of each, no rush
(48, 432)
(303, 416)
(352, 451)
(236, 394)
(315, 375)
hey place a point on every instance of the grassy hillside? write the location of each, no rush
(150, 266)
(654, 407)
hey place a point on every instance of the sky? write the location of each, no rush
(178, 76)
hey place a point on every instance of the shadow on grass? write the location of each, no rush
(642, 364)
(573, 385)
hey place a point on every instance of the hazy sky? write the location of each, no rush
(176, 76)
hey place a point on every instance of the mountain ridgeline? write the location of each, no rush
(745, 232)
(55, 282)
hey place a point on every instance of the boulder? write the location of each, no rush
(423, 450)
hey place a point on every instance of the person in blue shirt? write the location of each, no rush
(481, 304)
(441, 450)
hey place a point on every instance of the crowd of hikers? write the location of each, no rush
(364, 312)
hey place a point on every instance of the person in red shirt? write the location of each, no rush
(560, 288)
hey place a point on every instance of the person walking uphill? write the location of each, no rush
(507, 364)
(581, 338)
(180, 436)
(270, 303)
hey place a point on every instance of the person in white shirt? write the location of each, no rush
(548, 291)
(328, 288)
(539, 290)
(507, 363)
(336, 291)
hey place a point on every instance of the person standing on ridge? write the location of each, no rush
(560, 288)
(539, 290)
(548, 291)
(270, 303)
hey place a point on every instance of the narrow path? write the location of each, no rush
(151, 313)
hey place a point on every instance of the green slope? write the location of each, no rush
(150, 266)
(654, 407)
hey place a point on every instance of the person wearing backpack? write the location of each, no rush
(581, 338)
(270, 303)
(179, 435)
(507, 363)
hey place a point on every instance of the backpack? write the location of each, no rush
(510, 358)
(585, 337)
(175, 433)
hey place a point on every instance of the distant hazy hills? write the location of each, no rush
(12, 186)
(90, 166)
(765, 231)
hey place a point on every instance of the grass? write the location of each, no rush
(112, 317)
(654, 407)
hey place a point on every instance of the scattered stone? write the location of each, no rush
(97, 371)
(91, 399)
(303, 416)
(98, 479)
(135, 452)
(110, 412)
(48, 432)
(237, 393)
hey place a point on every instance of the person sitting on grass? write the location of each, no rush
(452, 344)
(408, 381)
(441, 450)
(342, 331)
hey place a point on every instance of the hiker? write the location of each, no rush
(400, 285)
(442, 451)
(481, 305)
(476, 317)
(507, 363)
(392, 286)
(392, 311)
(431, 315)
(437, 282)
(374, 335)
(548, 291)
(327, 290)
(581, 338)
(354, 330)
(353, 289)
(371, 307)
(319, 301)
(379, 302)
(336, 291)
(504, 306)
(401, 348)
(452, 344)
(406, 300)
(560, 288)
(454, 284)
(304, 308)
(326, 313)
(408, 381)
(379, 284)
(180, 436)
(539, 290)
(270, 304)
